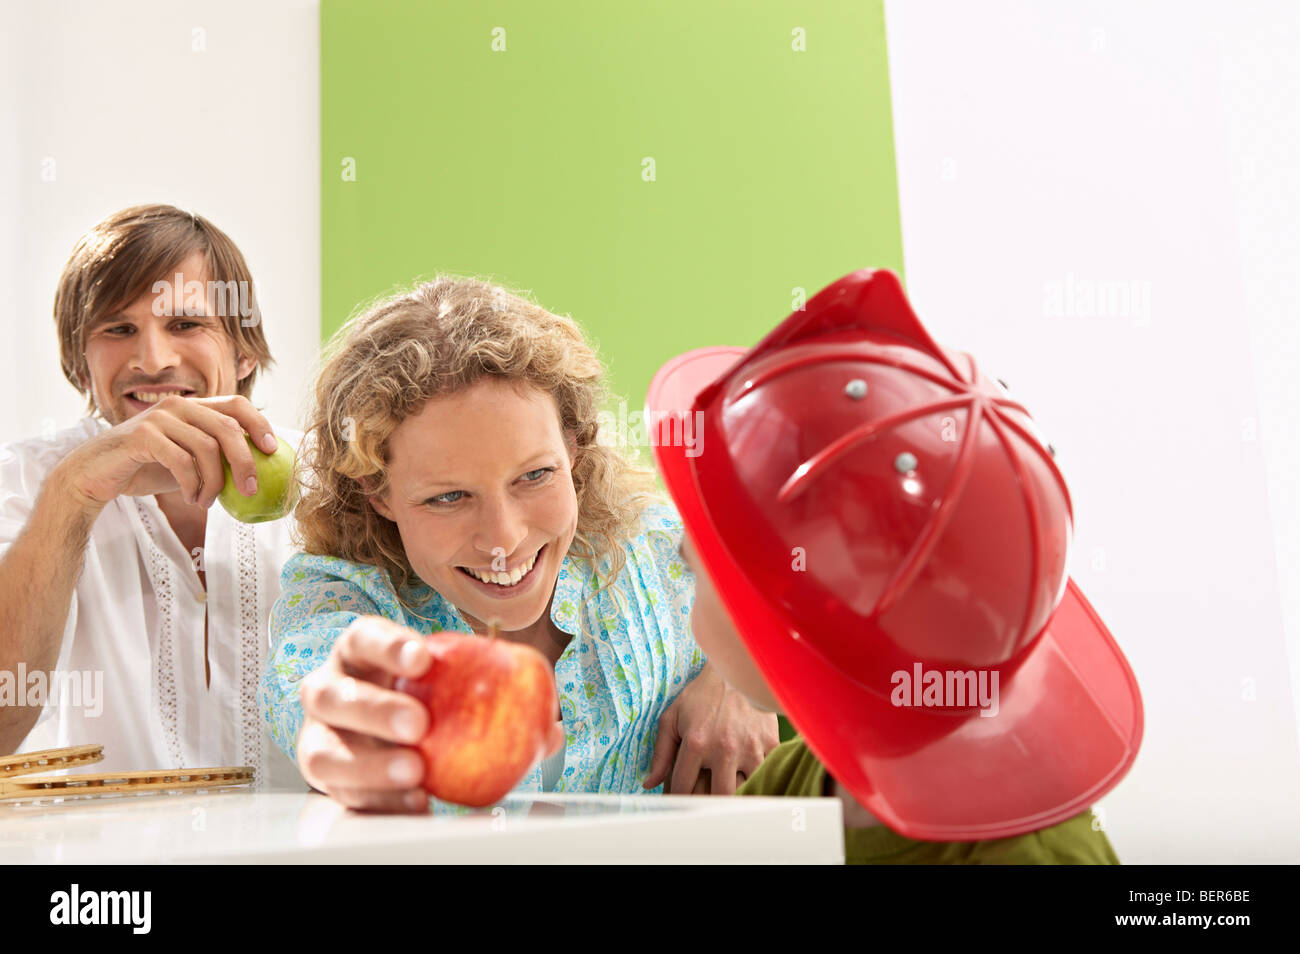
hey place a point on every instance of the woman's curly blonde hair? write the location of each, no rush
(439, 338)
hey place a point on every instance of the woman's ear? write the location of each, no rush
(377, 501)
(571, 445)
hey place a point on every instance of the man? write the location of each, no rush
(132, 612)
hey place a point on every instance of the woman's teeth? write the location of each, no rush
(154, 398)
(502, 578)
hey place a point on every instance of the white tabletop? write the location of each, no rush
(245, 827)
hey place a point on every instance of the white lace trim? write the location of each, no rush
(250, 655)
(252, 749)
(164, 663)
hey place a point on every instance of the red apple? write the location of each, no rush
(492, 708)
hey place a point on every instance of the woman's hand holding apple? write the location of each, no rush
(357, 731)
(499, 711)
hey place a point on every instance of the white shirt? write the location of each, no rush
(133, 644)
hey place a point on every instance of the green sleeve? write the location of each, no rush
(792, 769)
(789, 769)
(1071, 842)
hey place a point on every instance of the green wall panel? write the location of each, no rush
(773, 167)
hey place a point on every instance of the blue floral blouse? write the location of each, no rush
(631, 653)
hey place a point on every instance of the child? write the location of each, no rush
(888, 534)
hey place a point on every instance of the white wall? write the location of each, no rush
(1156, 143)
(130, 109)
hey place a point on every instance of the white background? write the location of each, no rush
(1159, 143)
(131, 112)
(1155, 143)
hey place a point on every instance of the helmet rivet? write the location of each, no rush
(856, 389)
(905, 463)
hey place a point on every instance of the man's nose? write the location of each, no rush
(502, 529)
(153, 350)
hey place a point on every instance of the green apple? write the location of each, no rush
(277, 490)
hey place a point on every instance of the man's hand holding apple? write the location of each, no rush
(177, 444)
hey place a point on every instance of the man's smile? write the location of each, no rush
(143, 397)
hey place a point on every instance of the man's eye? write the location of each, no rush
(179, 326)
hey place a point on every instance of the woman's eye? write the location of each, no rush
(454, 496)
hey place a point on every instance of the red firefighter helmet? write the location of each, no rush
(889, 534)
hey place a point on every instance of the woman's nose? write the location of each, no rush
(502, 530)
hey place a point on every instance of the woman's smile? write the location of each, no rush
(509, 583)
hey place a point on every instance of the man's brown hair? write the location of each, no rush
(123, 256)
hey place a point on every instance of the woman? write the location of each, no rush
(455, 477)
